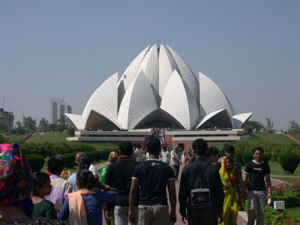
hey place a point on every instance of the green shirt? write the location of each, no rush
(44, 209)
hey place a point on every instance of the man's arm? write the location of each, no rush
(246, 178)
(183, 195)
(269, 187)
(172, 197)
(132, 198)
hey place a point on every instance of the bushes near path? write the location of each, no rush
(289, 161)
(35, 161)
(68, 149)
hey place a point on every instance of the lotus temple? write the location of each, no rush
(157, 90)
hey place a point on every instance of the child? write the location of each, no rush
(42, 187)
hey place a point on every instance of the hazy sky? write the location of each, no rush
(67, 48)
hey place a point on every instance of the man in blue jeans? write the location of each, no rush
(119, 176)
(256, 171)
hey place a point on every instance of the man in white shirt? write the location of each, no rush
(165, 155)
(138, 153)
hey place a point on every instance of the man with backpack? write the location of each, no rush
(201, 192)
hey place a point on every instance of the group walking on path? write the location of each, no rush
(197, 188)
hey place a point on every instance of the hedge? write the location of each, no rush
(48, 149)
(35, 161)
(289, 161)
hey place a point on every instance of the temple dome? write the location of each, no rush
(158, 89)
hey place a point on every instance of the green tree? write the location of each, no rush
(294, 127)
(61, 124)
(20, 129)
(269, 124)
(43, 125)
(29, 124)
(254, 125)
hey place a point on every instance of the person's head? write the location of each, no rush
(229, 151)
(41, 184)
(228, 162)
(84, 162)
(126, 148)
(200, 147)
(258, 153)
(77, 157)
(164, 148)
(213, 155)
(153, 146)
(56, 164)
(86, 179)
(112, 157)
(15, 178)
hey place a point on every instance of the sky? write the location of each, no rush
(67, 48)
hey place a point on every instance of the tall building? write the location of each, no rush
(58, 108)
(6, 118)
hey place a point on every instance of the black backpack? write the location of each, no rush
(200, 196)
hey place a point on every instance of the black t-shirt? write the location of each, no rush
(119, 176)
(257, 173)
(153, 176)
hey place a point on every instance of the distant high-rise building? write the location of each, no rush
(58, 108)
(6, 118)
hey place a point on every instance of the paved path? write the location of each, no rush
(293, 138)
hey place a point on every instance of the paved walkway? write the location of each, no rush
(293, 138)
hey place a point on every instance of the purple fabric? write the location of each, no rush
(59, 191)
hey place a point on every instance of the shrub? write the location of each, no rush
(70, 159)
(289, 161)
(272, 216)
(247, 157)
(290, 194)
(2, 139)
(35, 161)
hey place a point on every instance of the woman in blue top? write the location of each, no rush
(85, 205)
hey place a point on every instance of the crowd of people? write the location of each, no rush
(132, 188)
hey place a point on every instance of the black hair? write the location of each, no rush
(56, 164)
(200, 146)
(153, 145)
(259, 149)
(212, 151)
(84, 162)
(39, 179)
(86, 179)
(126, 148)
(229, 148)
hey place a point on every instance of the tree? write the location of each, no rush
(269, 125)
(61, 124)
(20, 129)
(43, 125)
(294, 127)
(254, 125)
(29, 124)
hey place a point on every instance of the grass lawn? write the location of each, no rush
(276, 169)
(296, 135)
(271, 138)
(49, 137)
(294, 212)
(39, 137)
